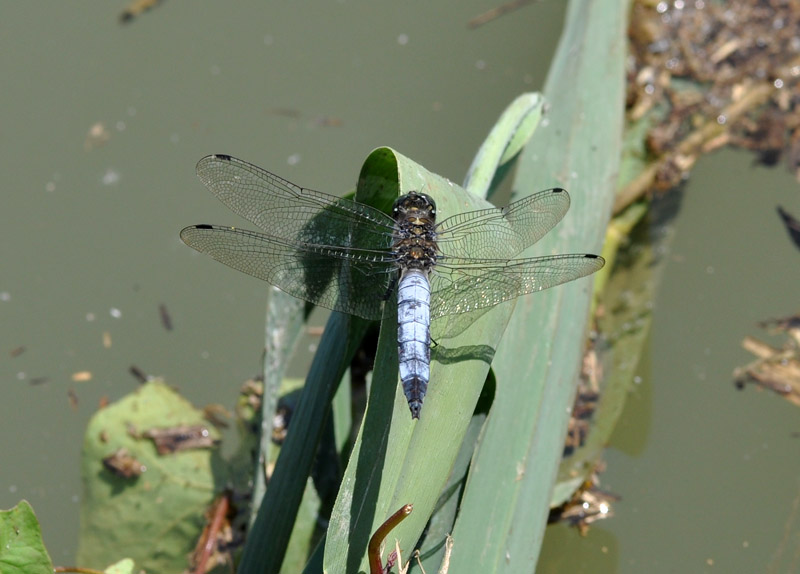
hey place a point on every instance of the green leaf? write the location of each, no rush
(22, 550)
(507, 138)
(506, 502)
(396, 460)
(154, 518)
(124, 566)
(432, 545)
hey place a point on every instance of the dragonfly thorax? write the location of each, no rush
(415, 231)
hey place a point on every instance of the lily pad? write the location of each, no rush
(155, 515)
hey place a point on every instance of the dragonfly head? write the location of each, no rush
(414, 206)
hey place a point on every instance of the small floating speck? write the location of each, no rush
(293, 159)
(110, 177)
(116, 313)
(97, 136)
(166, 318)
(402, 39)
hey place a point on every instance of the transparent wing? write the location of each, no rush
(283, 209)
(354, 281)
(502, 232)
(460, 285)
(330, 251)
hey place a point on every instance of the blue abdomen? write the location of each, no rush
(414, 336)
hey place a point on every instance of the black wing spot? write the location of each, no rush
(204, 226)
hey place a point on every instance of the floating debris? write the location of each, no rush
(586, 401)
(495, 13)
(123, 464)
(72, 397)
(792, 225)
(166, 319)
(775, 369)
(216, 543)
(708, 74)
(175, 439)
(97, 136)
(137, 8)
(139, 374)
(589, 504)
(322, 121)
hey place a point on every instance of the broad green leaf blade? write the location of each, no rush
(505, 506)
(508, 136)
(22, 550)
(432, 545)
(124, 566)
(155, 518)
(397, 461)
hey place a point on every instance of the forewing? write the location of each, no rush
(464, 285)
(283, 209)
(502, 233)
(354, 281)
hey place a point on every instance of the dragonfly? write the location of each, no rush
(350, 257)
